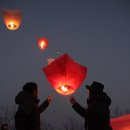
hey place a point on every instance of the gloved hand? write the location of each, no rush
(49, 99)
(72, 100)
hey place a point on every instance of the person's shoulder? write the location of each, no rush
(106, 98)
(20, 97)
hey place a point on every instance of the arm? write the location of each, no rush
(45, 104)
(79, 109)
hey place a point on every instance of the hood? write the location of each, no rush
(21, 97)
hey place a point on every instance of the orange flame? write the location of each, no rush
(65, 90)
(42, 44)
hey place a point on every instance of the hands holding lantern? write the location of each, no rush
(72, 100)
(49, 99)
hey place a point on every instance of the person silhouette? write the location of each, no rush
(27, 116)
(97, 113)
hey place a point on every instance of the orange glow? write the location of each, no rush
(125, 128)
(12, 19)
(43, 43)
(121, 122)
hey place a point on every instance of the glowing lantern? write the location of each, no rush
(12, 19)
(43, 43)
(65, 75)
(121, 122)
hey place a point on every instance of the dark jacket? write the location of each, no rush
(97, 114)
(27, 116)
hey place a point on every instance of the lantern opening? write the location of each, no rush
(12, 26)
(65, 90)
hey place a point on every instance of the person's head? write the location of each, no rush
(31, 88)
(95, 88)
(4, 126)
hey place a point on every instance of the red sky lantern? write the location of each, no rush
(43, 43)
(121, 122)
(12, 19)
(65, 75)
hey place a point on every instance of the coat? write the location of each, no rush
(27, 116)
(97, 114)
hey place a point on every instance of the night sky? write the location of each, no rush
(95, 33)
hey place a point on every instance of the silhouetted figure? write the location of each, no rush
(27, 116)
(4, 126)
(97, 114)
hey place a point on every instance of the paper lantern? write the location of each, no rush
(65, 75)
(12, 19)
(121, 122)
(43, 43)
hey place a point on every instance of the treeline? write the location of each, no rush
(7, 116)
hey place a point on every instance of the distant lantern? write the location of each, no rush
(65, 75)
(43, 43)
(12, 18)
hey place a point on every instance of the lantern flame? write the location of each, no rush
(65, 90)
(42, 44)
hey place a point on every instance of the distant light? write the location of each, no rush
(43, 43)
(57, 52)
(12, 19)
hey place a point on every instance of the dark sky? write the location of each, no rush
(95, 33)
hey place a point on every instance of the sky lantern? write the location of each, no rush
(121, 122)
(43, 43)
(65, 75)
(12, 18)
